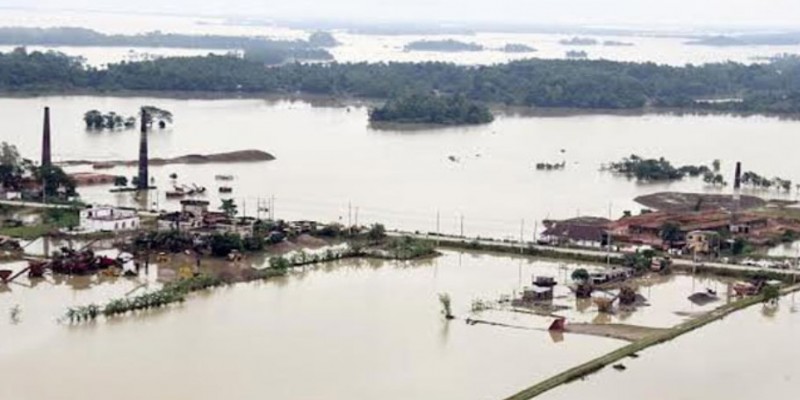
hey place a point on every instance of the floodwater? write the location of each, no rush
(374, 48)
(356, 329)
(750, 354)
(332, 166)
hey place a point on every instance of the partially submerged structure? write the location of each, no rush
(581, 231)
(108, 219)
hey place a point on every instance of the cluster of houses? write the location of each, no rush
(196, 217)
(702, 232)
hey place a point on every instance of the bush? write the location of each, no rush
(580, 275)
(223, 244)
(253, 243)
(376, 232)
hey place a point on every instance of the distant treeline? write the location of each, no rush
(764, 39)
(257, 48)
(581, 84)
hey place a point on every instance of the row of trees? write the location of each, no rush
(755, 180)
(97, 120)
(660, 169)
(260, 49)
(587, 84)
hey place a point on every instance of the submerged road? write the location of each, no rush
(510, 246)
(33, 204)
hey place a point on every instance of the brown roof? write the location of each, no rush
(695, 221)
(582, 229)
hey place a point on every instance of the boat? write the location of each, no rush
(225, 189)
(103, 165)
(176, 194)
(745, 289)
(224, 177)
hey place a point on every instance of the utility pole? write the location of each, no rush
(244, 207)
(349, 214)
(535, 230)
(356, 215)
(521, 236)
(272, 208)
(608, 240)
(462, 225)
(438, 231)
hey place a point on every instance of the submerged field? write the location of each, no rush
(751, 354)
(357, 329)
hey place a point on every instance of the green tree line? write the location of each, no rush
(582, 84)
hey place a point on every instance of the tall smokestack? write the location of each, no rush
(737, 195)
(46, 157)
(144, 177)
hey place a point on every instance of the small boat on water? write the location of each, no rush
(176, 194)
(103, 165)
(225, 189)
(224, 177)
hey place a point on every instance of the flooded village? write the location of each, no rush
(450, 200)
(585, 293)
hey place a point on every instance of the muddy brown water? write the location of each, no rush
(331, 166)
(355, 329)
(750, 354)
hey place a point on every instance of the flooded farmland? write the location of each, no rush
(751, 354)
(355, 328)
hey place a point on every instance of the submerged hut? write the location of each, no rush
(537, 294)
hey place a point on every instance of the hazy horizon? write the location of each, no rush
(678, 13)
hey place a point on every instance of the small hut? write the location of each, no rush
(537, 294)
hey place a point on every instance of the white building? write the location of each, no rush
(108, 219)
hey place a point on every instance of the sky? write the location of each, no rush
(783, 13)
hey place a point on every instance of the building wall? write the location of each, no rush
(116, 225)
(196, 210)
(100, 219)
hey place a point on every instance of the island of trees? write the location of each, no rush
(431, 109)
(578, 41)
(770, 88)
(577, 55)
(615, 43)
(255, 48)
(323, 40)
(97, 120)
(653, 170)
(448, 45)
(644, 169)
(517, 48)
(765, 39)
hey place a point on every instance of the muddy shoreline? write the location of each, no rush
(241, 156)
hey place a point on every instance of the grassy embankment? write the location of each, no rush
(605, 360)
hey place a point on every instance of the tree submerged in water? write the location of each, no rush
(444, 300)
(97, 120)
